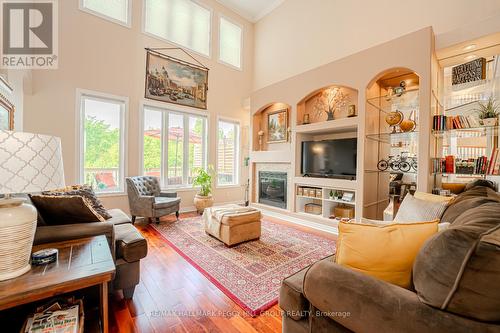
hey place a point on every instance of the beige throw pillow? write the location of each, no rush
(417, 210)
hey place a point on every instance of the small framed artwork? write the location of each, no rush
(277, 126)
(6, 115)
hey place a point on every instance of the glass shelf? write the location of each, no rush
(386, 106)
(390, 171)
(483, 129)
(393, 137)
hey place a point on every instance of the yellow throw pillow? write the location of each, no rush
(433, 197)
(385, 252)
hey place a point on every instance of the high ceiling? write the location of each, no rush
(252, 10)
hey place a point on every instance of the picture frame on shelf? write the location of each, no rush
(277, 126)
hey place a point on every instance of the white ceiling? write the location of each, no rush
(252, 10)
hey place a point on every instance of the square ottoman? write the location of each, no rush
(232, 224)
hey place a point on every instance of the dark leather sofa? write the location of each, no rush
(456, 282)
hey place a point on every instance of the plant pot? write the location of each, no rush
(490, 121)
(201, 202)
(273, 191)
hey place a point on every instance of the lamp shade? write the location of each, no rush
(29, 162)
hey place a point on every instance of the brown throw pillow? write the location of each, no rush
(84, 191)
(458, 270)
(59, 209)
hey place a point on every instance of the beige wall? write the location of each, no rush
(98, 55)
(300, 35)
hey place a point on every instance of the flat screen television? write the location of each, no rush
(330, 158)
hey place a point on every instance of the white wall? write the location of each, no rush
(300, 35)
(98, 55)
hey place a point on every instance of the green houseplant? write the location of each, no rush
(488, 112)
(203, 179)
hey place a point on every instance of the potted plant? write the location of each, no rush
(203, 198)
(331, 195)
(488, 112)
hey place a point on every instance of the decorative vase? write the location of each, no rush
(201, 202)
(490, 121)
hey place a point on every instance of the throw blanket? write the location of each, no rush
(214, 216)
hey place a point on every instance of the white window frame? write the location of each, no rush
(173, 109)
(237, 165)
(127, 24)
(209, 56)
(81, 94)
(241, 42)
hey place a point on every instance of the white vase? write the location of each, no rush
(490, 122)
(17, 230)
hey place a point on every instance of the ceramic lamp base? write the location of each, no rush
(17, 231)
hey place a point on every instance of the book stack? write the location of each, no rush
(494, 164)
(480, 165)
(441, 123)
(59, 316)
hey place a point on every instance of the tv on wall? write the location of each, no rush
(330, 158)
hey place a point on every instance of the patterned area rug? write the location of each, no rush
(249, 273)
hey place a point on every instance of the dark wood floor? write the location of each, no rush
(173, 297)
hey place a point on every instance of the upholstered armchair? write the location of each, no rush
(146, 199)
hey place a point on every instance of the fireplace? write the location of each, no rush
(273, 188)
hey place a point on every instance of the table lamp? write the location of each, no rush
(28, 163)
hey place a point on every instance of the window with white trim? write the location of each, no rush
(118, 11)
(227, 152)
(174, 145)
(102, 141)
(230, 43)
(182, 22)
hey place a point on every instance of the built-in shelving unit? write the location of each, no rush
(320, 198)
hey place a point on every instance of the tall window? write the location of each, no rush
(174, 145)
(102, 137)
(118, 11)
(230, 37)
(227, 152)
(183, 22)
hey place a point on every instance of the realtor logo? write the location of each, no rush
(29, 34)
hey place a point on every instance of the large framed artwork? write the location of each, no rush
(175, 81)
(277, 126)
(6, 115)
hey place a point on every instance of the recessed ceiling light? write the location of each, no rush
(470, 57)
(469, 47)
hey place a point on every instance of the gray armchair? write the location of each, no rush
(146, 199)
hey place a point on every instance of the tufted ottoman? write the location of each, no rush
(232, 224)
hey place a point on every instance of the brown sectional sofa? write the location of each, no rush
(127, 245)
(456, 282)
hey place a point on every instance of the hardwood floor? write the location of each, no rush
(174, 297)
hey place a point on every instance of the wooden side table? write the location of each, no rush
(82, 263)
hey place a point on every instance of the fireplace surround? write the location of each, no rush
(273, 188)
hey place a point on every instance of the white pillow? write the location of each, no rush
(417, 210)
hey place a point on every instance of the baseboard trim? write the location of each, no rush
(290, 217)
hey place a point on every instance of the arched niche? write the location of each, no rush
(384, 97)
(313, 105)
(260, 121)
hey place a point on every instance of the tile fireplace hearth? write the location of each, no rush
(273, 188)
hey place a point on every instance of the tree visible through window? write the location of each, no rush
(102, 141)
(185, 150)
(227, 153)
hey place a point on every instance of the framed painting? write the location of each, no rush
(277, 126)
(6, 115)
(175, 81)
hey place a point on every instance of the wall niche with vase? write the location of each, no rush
(326, 104)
